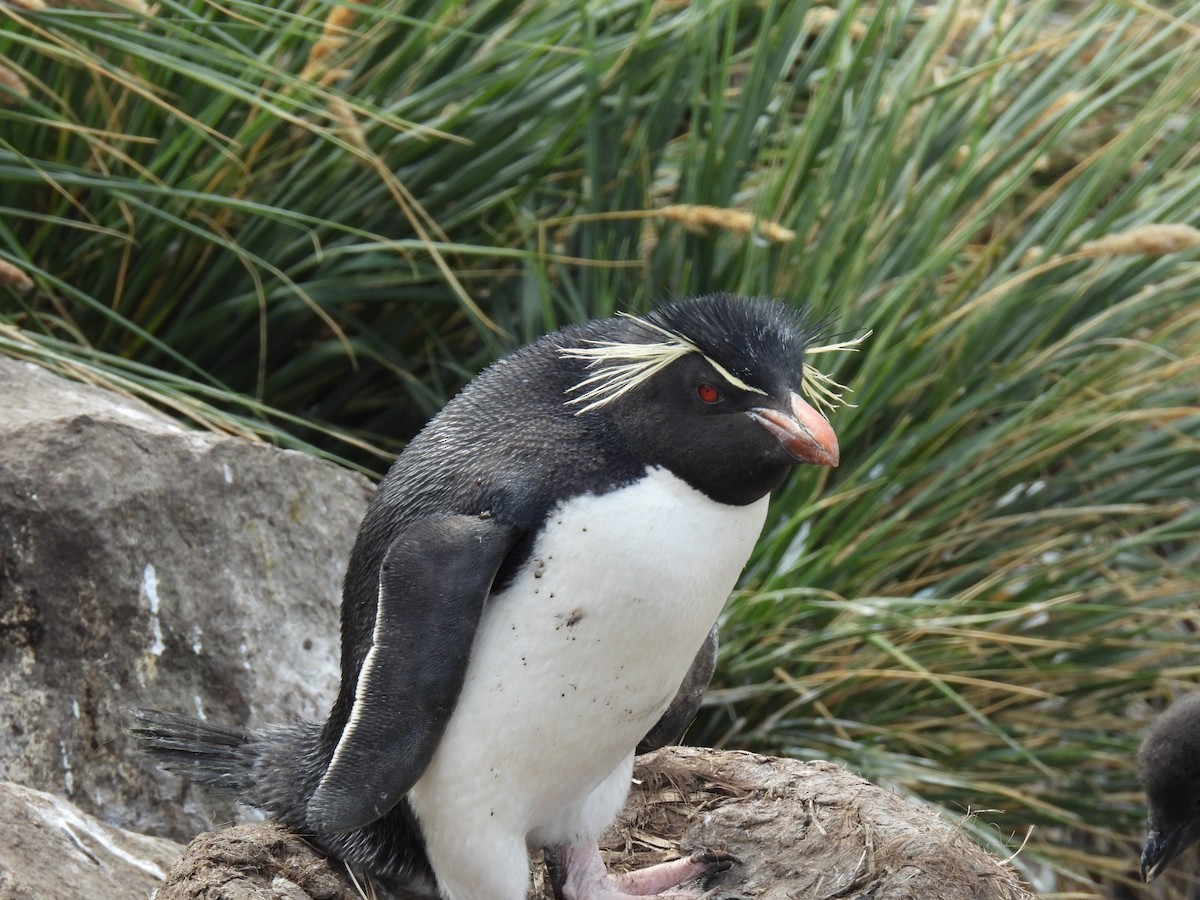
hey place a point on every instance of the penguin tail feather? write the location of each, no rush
(275, 769)
(218, 758)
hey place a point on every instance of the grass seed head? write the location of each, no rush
(1145, 240)
(699, 219)
(821, 18)
(333, 37)
(13, 84)
(10, 274)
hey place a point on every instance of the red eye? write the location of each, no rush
(708, 393)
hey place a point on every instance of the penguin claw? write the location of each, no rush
(578, 873)
(716, 860)
(555, 870)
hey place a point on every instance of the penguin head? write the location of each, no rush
(1169, 770)
(711, 389)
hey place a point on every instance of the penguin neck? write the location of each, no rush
(729, 481)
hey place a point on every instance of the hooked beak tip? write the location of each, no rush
(805, 434)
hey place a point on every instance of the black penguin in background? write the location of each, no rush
(1169, 770)
(532, 584)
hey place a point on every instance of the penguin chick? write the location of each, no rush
(1169, 769)
(534, 584)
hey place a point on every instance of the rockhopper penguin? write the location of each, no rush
(1169, 768)
(534, 584)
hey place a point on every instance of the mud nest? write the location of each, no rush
(800, 831)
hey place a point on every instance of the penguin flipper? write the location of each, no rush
(674, 722)
(433, 583)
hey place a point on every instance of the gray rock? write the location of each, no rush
(142, 564)
(50, 850)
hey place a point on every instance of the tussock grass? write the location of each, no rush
(311, 222)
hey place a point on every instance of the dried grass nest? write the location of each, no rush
(800, 831)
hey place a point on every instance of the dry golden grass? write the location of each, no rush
(699, 219)
(11, 275)
(1152, 239)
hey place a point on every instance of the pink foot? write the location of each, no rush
(579, 874)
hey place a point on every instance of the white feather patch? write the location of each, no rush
(571, 666)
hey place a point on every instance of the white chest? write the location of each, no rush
(576, 660)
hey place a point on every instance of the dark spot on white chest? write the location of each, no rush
(568, 619)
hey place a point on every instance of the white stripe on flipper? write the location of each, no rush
(360, 690)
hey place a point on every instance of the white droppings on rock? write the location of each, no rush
(150, 593)
(68, 776)
(65, 819)
(147, 418)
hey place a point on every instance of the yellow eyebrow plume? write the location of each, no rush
(618, 367)
(825, 393)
